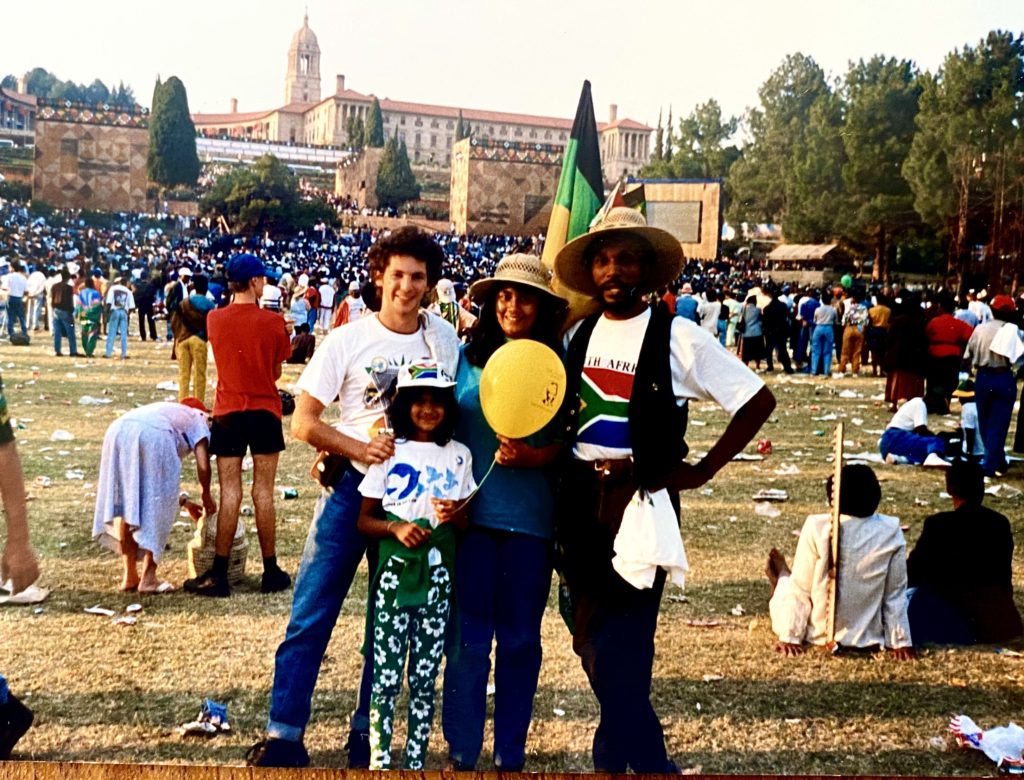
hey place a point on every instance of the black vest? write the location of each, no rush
(657, 424)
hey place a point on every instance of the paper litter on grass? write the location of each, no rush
(33, 594)
(826, 417)
(88, 400)
(787, 470)
(771, 494)
(1003, 491)
(764, 509)
(62, 435)
(747, 456)
(168, 386)
(98, 610)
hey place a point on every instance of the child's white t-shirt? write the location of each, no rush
(418, 472)
(969, 419)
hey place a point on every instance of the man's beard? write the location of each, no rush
(623, 303)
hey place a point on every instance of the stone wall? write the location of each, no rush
(503, 187)
(357, 177)
(90, 160)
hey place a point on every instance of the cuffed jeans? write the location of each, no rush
(118, 325)
(64, 326)
(822, 342)
(912, 446)
(330, 558)
(502, 582)
(994, 393)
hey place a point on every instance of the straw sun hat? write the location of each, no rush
(523, 270)
(621, 220)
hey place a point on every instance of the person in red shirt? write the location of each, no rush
(249, 344)
(947, 339)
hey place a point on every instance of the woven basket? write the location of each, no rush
(201, 550)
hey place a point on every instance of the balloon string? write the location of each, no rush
(483, 479)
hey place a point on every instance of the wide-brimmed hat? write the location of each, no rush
(525, 270)
(621, 220)
(425, 373)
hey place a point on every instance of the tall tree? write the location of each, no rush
(659, 140)
(9, 81)
(968, 157)
(396, 183)
(666, 153)
(881, 103)
(355, 132)
(462, 128)
(123, 96)
(766, 179)
(172, 156)
(374, 136)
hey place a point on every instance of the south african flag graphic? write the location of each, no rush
(604, 410)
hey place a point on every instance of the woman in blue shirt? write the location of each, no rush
(503, 564)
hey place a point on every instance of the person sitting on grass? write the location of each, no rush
(871, 585)
(907, 439)
(960, 570)
(303, 345)
(412, 502)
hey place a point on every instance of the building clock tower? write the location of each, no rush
(302, 83)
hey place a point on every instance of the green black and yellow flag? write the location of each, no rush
(580, 186)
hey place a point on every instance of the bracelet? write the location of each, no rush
(390, 523)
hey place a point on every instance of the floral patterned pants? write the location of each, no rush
(396, 630)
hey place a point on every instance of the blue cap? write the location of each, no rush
(242, 268)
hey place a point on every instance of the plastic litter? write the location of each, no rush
(713, 677)
(98, 610)
(74, 474)
(747, 456)
(738, 611)
(88, 400)
(33, 594)
(787, 470)
(771, 494)
(1004, 744)
(62, 435)
(764, 446)
(42, 481)
(826, 417)
(213, 719)
(764, 509)
(171, 386)
(1003, 491)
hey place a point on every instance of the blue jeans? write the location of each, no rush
(118, 325)
(16, 311)
(502, 582)
(910, 445)
(994, 393)
(64, 326)
(803, 339)
(4, 693)
(822, 342)
(329, 561)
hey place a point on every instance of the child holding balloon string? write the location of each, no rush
(413, 501)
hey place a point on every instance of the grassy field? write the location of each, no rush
(729, 704)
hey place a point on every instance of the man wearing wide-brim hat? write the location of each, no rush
(631, 370)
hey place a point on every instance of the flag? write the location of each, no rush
(580, 185)
(614, 200)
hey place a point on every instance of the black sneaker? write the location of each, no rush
(358, 749)
(208, 584)
(277, 752)
(15, 720)
(275, 580)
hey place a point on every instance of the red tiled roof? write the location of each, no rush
(18, 96)
(231, 119)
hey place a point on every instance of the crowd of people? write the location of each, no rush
(458, 524)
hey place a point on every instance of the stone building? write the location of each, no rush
(428, 130)
(90, 158)
(503, 187)
(17, 115)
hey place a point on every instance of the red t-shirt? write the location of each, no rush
(947, 336)
(249, 344)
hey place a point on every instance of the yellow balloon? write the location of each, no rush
(521, 388)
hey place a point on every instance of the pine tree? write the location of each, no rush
(374, 131)
(172, 156)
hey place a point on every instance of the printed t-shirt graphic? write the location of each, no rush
(606, 387)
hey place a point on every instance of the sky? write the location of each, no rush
(528, 56)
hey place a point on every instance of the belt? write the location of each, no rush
(605, 470)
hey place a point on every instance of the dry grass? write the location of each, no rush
(106, 693)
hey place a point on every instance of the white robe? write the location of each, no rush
(140, 473)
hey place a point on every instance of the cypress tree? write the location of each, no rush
(172, 158)
(396, 183)
(374, 126)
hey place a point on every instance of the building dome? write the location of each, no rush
(304, 37)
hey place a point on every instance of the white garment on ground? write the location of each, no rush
(871, 602)
(913, 414)
(648, 539)
(140, 473)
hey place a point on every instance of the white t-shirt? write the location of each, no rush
(418, 472)
(120, 297)
(356, 364)
(708, 313)
(356, 308)
(271, 297)
(36, 283)
(913, 414)
(326, 296)
(16, 284)
(702, 370)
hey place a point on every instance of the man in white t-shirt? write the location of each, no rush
(326, 291)
(356, 365)
(907, 439)
(15, 285)
(36, 295)
(120, 303)
(630, 372)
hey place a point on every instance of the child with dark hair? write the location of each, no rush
(303, 345)
(412, 501)
(871, 585)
